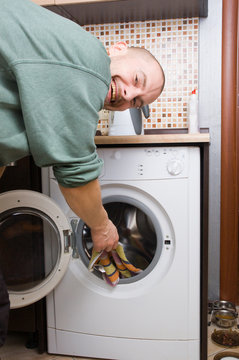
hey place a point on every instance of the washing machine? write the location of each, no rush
(152, 194)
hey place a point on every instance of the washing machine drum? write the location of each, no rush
(34, 245)
(140, 237)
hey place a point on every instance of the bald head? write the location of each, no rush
(137, 78)
(138, 51)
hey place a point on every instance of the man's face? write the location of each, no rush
(135, 81)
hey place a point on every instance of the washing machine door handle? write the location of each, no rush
(36, 245)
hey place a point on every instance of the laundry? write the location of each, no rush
(114, 264)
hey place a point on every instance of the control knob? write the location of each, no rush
(175, 167)
(117, 155)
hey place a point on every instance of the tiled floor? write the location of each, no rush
(15, 349)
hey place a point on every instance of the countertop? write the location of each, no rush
(153, 139)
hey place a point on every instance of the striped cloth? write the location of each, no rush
(115, 265)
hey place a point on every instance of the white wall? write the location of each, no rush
(210, 116)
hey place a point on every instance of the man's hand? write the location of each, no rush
(105, 237)
(86, 203)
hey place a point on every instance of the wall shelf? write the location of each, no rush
(153, 139)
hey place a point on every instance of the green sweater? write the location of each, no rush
(54, 77)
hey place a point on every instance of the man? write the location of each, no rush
(54, 79)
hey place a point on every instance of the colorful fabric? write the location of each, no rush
(114, 265)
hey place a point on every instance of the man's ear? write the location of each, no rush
(118, 48)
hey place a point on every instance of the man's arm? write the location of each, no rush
(86, 202)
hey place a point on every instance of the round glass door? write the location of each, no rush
(26, 236)
(33, 238)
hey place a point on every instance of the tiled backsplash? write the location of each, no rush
(175, 45)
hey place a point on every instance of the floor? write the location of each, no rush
(15, 349)
(213, 348)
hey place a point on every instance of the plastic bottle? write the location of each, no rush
(193, 125)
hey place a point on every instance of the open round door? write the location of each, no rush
(34, 245)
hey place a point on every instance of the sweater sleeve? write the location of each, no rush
(60, 106)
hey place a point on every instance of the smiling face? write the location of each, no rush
(136, 79)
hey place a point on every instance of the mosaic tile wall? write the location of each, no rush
(175, 45)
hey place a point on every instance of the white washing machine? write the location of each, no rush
(152, 194)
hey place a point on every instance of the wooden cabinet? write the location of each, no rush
(31, 319)
(106, 11)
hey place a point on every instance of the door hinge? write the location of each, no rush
(74, 226)
(70, 239)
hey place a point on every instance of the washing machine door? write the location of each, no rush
(34, 245)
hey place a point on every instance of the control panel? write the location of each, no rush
(144, 163)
